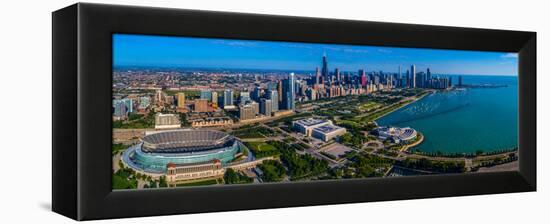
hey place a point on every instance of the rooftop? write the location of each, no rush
(310, 122)
(327, 128)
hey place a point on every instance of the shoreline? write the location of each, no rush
(405, 104)
(407, 147)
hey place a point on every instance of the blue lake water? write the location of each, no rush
(464, 121)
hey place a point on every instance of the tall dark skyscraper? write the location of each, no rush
(289, 92)
(324, 69)
(428, 74)
(413, 76)
(337, 75)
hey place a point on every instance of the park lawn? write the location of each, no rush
(262, 149)
(369, 105)
(261, 146)
(120, 182)
(254, 132)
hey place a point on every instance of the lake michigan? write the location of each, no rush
(464, 120)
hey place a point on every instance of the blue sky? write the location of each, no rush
(163, 51)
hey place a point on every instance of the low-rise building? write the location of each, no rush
(211, 122)
(306, 126)
(327, 132)
(167, 121)
(177, 173)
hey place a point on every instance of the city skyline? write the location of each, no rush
(162, 51)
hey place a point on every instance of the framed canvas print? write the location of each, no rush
(166, 111)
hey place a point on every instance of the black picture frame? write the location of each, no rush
(82, 131)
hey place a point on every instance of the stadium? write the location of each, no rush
(181, 147)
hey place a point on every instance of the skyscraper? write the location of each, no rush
(144, 102)
(181, 100)
(289, 92)
(244, 96)
(280, 90)
(246, 111)
(337, 75)
(215, 98)
(317, 76)
(363, 76)
(428, 74)
(399, 72)
(273, 95)
(459, 80)
(256, 94)
(413, 76)
(158, 96)
(324, 70)
(228, 98)
(266, 107)
(120, 109)
(206, 94)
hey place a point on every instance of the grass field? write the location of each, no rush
(261, 146)
(262, 149)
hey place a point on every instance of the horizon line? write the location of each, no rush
(289, 70)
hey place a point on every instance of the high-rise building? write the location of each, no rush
(201, 105)
(459, 80)
(243, 97)
(215, 98)
(271, 86)
(206, 94)
(144, 102)
(317, 76)
(246, 112)
(273, 95)
(399, 72)
(128, 104)
(324, 69)
(337, 75)
(120, 109)
(228, 98)
(289, 92)
(428, 74)
(413, 76)
(363, 76)
(158, 96)
(180, 97)
(265, 107)
(255, 106)
(257, 94)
